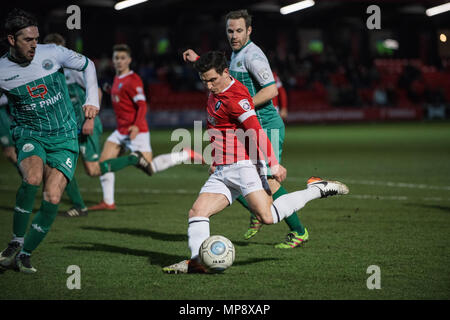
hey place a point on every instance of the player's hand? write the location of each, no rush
(88, 127)
(90, 112)
(211, 169)
(133, 132)
(190, 55)
(278, 172)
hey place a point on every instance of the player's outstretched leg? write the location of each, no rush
(168, 160)
(317, 188)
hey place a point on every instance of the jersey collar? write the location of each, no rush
(124, 75)
(248, 42)
(229, 86)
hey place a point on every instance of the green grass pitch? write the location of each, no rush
(397, 217)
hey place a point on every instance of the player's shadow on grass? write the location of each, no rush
(142, 233)
(252, 261)
(154, 258)
(430, 206)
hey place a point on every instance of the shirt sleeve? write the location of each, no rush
(136, 92)
(70, 59)
(244, 111)
(258, 66)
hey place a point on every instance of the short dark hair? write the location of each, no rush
(18, 19)
(211, 60)
(55, 38)
(122, 47)
(243, 13)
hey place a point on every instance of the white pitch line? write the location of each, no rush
(190, 192)
(385, 184)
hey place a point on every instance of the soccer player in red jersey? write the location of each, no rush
(238, 141)
(130, 107)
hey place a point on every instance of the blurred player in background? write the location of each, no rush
(89, 134)
(44, 128)
(250, 66)
(230, 109)
(130, 107)
(280, 102)
(8, 147)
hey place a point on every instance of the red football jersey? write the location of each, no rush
(129, 103)
(235, 132)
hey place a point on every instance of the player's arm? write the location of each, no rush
(72, 60)
(88, 125)
(282, 98)
(258, 66)
(136, 93)
(249, 121)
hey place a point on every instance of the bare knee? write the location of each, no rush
(197, 212)
(33, 178)
(266, 219)
(92, 169)
(52, 196)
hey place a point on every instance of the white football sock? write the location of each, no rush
(107, 182)
(165, 161)
(198, 231)
(289, 203)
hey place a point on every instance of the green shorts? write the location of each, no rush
(5, 131)
(90, 145)
(58, 153)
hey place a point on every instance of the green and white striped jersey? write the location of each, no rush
(77, 94)
(250, 66)
(38, 93)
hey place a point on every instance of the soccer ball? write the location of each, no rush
(217, 253)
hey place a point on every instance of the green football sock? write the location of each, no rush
(116, 164)
(292, 221)
(242, 201)
(74, 194)
(24, 206)
(40, 226)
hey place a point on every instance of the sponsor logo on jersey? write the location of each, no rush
(38, 91)
(245, 104)
(264, 74)
(217, 106)
(12, 78)
(27, 147)
(47, 64)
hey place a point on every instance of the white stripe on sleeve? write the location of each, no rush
(246, 115)
(138, 97)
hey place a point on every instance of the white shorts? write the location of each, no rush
(140, 143)
(233, 180)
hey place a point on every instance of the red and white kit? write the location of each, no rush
(130, 108)
(234, 129)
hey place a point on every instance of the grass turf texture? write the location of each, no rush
(397, 217)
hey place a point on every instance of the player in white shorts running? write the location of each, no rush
(130, 107)
(238, 147)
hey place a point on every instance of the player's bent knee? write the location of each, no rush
(266, 220)
(33, 179)
(52, 197)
